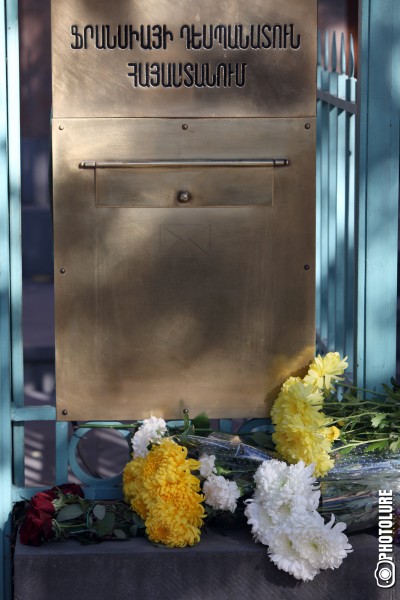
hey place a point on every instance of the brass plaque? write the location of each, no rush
(187, 58)
(184, 204)
(183, 185)
(163, 304)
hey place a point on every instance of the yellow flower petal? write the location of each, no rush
(325, 371)
(162, 489)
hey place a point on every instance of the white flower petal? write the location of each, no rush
(207, 465)
(285, 556)
(151, 431)
(220, 493)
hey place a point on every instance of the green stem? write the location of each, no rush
(347, 403)
(386, 439)
(354, 387)
(352, 417)
(100, 426)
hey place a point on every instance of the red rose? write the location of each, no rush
(37, 527)
(43, 502)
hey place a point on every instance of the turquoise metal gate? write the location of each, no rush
(358, 185)
(11, 375)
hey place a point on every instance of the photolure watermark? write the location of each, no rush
(385, 572)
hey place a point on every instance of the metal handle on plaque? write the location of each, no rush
(273, 162)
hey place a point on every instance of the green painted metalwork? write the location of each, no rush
(14, 175)
(113, 482)
(11, 364)
(61, 453)
(5, 322)
(336, 122)
(322, 204)
(377, 191)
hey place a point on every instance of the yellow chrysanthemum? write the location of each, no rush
(307, 445)
(325, 371)
(171, 527)
(298, 399)
(331, 433)
(133, 486)
(161, 485)
(289, 382)
(300, 427)
(165, 466)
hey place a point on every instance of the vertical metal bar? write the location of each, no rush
(318, 232)
(332, 194)
(61, 452)
(5, 350)
(14, 153)
(351, 95)
(377, 191)
(324, 217)
(342, 159)
(350, 280)
(318, 239)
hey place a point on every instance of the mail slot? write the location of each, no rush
(162, 183)
(184, 204)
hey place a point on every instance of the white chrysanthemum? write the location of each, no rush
(151, 431)
(260, 520)
(324, 545)
(220, 493)
(284, 488)
(283, 516)
(286, 557)
(207, 463)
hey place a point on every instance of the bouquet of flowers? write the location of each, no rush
(352, 437)
(309, 416)
(174, 494)
(178, 481)
(62, 512)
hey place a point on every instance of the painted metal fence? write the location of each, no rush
(357, 192)
(11, 376)
(336, 152)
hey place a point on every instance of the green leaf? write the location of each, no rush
(351, 398)
(121, 535)
(377, 419)
(106, 525)
(261, 439)
(201, 422)
(69, 512)
(138, 521)
(99, 511)
(345, 450)
(375, 446)
(394, 445)
(133, 530)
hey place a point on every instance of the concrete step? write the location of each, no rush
(225, 565)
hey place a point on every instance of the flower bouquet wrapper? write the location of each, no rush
(350, 490)
(231, 451)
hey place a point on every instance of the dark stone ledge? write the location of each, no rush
(225, 565)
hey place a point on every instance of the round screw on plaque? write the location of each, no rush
(64, 412)
(307, 125)
(61, 127)
(185, 126)
(307, 267)
(63, 271)
(184, 197)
